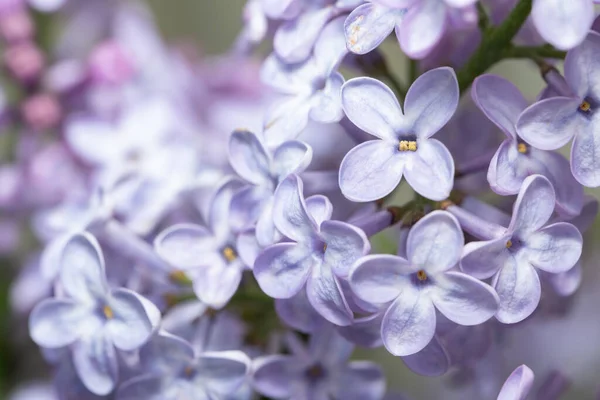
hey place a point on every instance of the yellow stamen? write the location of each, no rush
(407, 145)
(509, 244)
(585, 106)
(188, 371)
(108, 312)
(229, 254)
(522, 148)
(324, 246)
(421, 275)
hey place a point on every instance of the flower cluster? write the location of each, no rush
(213, 228)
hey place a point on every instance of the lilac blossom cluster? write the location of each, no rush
(211, 227)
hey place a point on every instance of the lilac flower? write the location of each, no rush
(551, 123)
(208, 256)
(513, 254)
(514, 160)
(422, 283)
(175, 371)
(319, 254)
(263, 171)
(563, 27)
(92, 319)
(373, 169)
(319, 372)
(309, 89)
(517, 385)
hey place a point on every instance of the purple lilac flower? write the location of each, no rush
(563, 27)
(320, 253)
(309, 89)
(517, 385)
(512, 255)
(207, 255)
(92, 318)
(318, 372)
(551, 123)
(175, 371)
(253, 204)
(514, 160)
(373, 169)
(421, 283)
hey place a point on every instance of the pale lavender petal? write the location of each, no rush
(292, 157)
(551, 123)
(298, 313)
(330, 47)
(166, 352)
(282, 269)
(430, 170)
(184, 245)
(518, 286)
(368, 25)
(422, 28)
(248, 247)
(435, 242)
(320, 208)
(361, 380)
(54, 323)
(563, 25)
(518, 384)
(372, 107)
(409, 323)
(222, 372)
(216, 284)
(247, 205)
(464, 299)
(274, 376)
(345, 244)
(96, 363)
(282, 9)
(579, 65)
(585, 153)
(500, 101)
(534, 205)
(555, 248)
(266, 232)
(286, 119)
(588, 214)
(460, 3)
(289, 211)
(431, 101)
(218, 216)
(365, 331)
(327, 104)
(289, 78)
(130, 327)
(91, 139)
(325, 294)
(248, 157)
(147, 387)
(484, 259)
(508, 169)
(380, 278)
(566, 283)
(371, 170)
(431, 361)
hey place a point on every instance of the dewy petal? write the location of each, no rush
(275, 375)
(555, 248)
(289, 211)
(282, 269)
(534, 205)
(368, 25)
(82, 269)
(430, 170)
(435, 242)
(431, 101)
(563, 25)
(580, 71)
(380, 278)
(53, 323)
(96, 363)
(518, 384)
(372, 107)
(585, 154)
(409, 323)
(248, 157)
(518, 286)
(500, 101)
(327, 106)
(431, 361)
(295, 39)
(345, 244)
(422, 28)
(130, 326)
(184, 245)
(464, 299)
(222, 372)
(319, 207)
(371, 170)
(484, 259)
(325, 294)
(362, 380)
(551, 123)
(330, 47)
(291, 157)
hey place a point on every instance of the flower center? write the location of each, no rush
(188, 371)
(522, 148)
(509, 244)
(585, 106)
(315, 373)
(229, 254)
(422, 275)
(407, 145)
(108, 312)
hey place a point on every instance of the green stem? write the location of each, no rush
(484, 19)
(534, 52)
(493, 45)
(413, 71)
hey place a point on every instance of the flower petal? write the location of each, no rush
(218, 215)
(165, 353)
(184, 245)
(248, 247)
(361, 380)
(555, 248)
(274, 376)
(508, 169)
(409, 323)
(563, 27)
(292, 157)
(289, 211)
(286, 118)
(298, 313)
(550, 123)
(368, 25)
(289, 78)
(325, 294)
(464, 299)
(580, 72)
(54, 323)
(585, 154)
(365, 331)
(422, 28)
(372, 107)
(430, 170)
(327, 103)
(247, 205)
(147, 387)
(435, 242)
(248, 157)
(500, 101)
(222, 372)
(534, 205)
(483, 259)
(330, 47)
(96, 363)
(319, 207)
(216, 284)
(345, 244)
(566, 283)
(380, 278)
(371, 170)
(431, 101)
(431, 361)
(518, 384)
(282, 269)
(130, 326)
